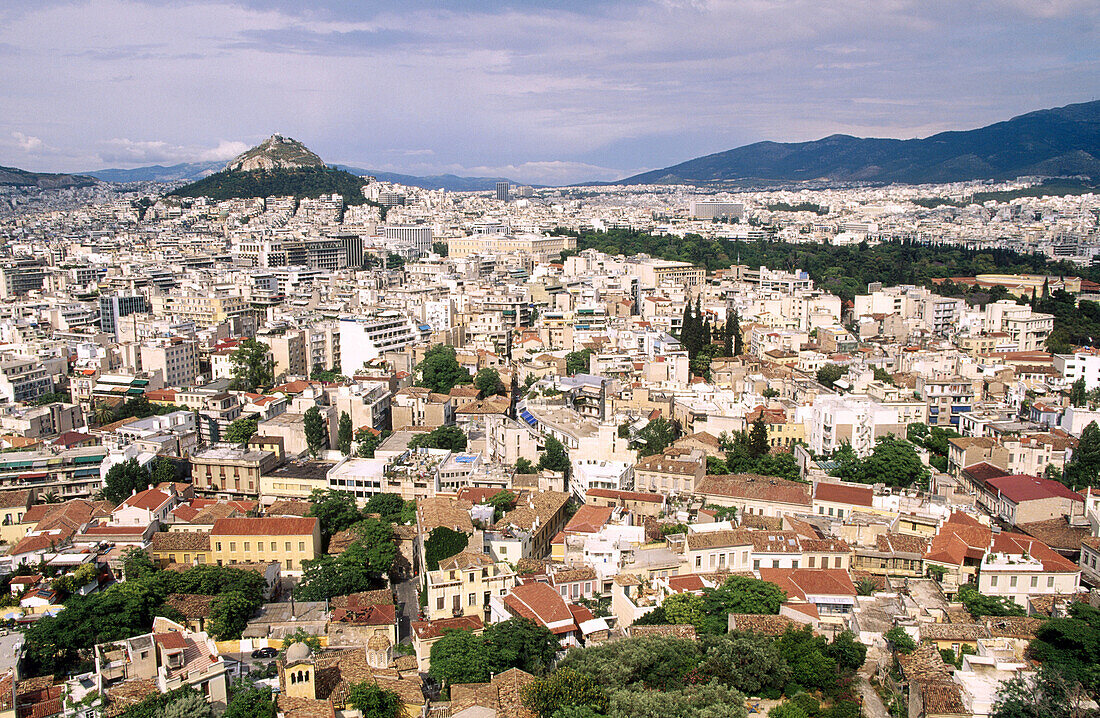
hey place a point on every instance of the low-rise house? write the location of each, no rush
(180, 547)
(827, 595)
(287, 541)
(464, 584)
(540, 603)
(426, 633)
(755, 494)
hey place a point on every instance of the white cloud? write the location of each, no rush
(138, 152)
(27, 143)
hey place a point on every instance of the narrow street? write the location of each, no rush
(407, 607)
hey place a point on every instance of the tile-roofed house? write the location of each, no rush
(426, 633)
(830, 591)
(502, 697)
(187, 547)
(760, 623)
(1021, 498)
(755, 494)
(543, 605)
(195, 608)
(840, 500)
(675, 630)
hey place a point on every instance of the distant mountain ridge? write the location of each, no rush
(1063, 141)
(449, 182)
(185, 171)
(13, 176)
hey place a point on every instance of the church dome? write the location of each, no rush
(298, 652)
(378, 642)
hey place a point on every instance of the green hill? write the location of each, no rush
(299, 182)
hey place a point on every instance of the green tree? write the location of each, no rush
(554, 457)
(692, 701)
(848, 653)
(241, 430)
(450, 438)
(577, 362)
(564, 687)
(1083, 468)
(502, 502)
(830, 373)
(253, 365)
(103, 413)
(229, 614)
(375, 702)
(739, 594)
(440, 248)
(344, 434)
(1047, 694)
(788, 710)
(334, 510)
(520, 643)
(683, 608)
(893, 462)
(188, 704)
(123, 479)
(488, 383)
(440, 370)
(442, 543)
(745, 662)
(389, 506)
(524, 466)
(164, 471)
(360, 567)
(758, 437)
(460, 657)
(900, 640)
(251, 702)
(314, 425)
(368, 441)
(656, 436)
(979, 604)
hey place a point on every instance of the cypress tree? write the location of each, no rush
(727, 345)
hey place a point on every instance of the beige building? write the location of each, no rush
(176, 359)
(289, 351)
(231, 471)
(284, 539)
(673, 471)
(542, 247)
(417, 406)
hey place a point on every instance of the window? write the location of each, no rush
(301, 545)
(439, 603)
(698, 562)
(471, 600)
(794, 564)
(1012, 582)
(993, 581)
(247, 545)
(232, 545)
(273, 546)
(219, 545)
(287, 546)
(1050, 581)
(756, 565)
(290, 564)
(812, 561)
(1034, 581)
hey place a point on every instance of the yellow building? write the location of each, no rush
(190, 548)
(464, 583)
(288, 540)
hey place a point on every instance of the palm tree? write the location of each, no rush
(51, 497)
(103, 413)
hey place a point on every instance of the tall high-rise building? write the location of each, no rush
(114, 306)
(503, 191)
(713, 209)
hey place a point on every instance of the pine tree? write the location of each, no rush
(1084, 468)
(1077, 393)
(685, 325)
(758, 437)
(738, 344)
(705, 340)
(343, 435)
(727, 336)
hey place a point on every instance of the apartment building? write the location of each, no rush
(289, 541)
(541, 247)
(675, 470)
(231, 471)
(40, 421)
(69, 473)
(176, 359)
(364, 338)
(418, 407)
(23, 379)
(947, 399)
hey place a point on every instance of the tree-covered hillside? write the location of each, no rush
(300, 182)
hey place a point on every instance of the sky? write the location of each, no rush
(540, 92)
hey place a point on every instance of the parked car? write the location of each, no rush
(265, 653)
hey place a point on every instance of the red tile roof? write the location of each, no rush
(1022, 487)
(844, 494)
(589, 519)
(265, 526)
(800, 582)
(542, 604)
(150, 499)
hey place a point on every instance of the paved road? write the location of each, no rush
(873, 707)
(407, 606)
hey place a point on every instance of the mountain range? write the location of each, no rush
(1056, 142)
(14, 177)
(192, 171)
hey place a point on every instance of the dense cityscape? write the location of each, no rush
(649, 359)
